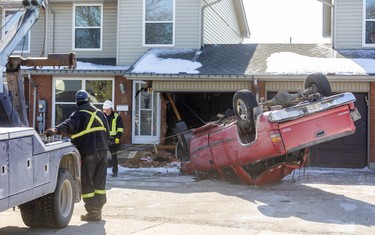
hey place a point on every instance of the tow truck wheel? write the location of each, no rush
(243, 103)
(30, 213)
(57, 207)
(319, 83)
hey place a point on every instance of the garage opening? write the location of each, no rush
(197, 109)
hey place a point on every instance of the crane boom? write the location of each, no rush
(13, 107)
(20, 29)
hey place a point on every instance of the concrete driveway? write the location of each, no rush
(162, 201)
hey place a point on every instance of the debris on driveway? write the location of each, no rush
(148, 159)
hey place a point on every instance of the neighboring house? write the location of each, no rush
(192, 50)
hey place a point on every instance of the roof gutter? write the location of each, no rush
(298, 78)
(186, 77)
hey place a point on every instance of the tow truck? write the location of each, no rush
(39, 175)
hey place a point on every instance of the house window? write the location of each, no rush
(11, 18)
(370, 22)
(159, 22)
(88, 21)
(64, 95)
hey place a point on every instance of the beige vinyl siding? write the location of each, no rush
(220, 23)
(37, 37)
(130, 30)
(63, 31)
(201, 86)
(348, 24)
(62, 28)
(188, 24)
(327, 19)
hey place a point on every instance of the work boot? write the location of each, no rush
(114, 174)
(92, 216)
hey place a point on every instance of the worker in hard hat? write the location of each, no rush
(89, 132)
(116, 128)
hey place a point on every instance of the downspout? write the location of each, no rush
(46, 15)
(202, 21)
(48, 8)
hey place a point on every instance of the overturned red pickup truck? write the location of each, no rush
(264, 142)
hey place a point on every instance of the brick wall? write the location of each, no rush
(262, 89)
(164, 125)
(124, 99)
(43, 85)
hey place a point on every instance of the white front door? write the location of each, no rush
(146, 115)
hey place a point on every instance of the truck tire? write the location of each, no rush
(57, 207)
(319, 83)
(243, 103)
(31, 214)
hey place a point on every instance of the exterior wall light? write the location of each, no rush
(122, 88)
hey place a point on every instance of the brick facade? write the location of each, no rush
(124, 99)
(43, 89)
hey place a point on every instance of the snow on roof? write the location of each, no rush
(173, 62)
(152, 63)
(292, 63)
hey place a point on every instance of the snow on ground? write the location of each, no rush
(173, 167)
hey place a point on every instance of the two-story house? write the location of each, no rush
(139, 53)
(205, 89)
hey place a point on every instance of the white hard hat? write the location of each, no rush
(107, 104)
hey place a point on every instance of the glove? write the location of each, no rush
(51, 131)
(117, 141)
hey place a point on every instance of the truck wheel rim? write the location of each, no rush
(241, 110)
(66, 198)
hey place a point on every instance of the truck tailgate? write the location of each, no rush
(317, 128)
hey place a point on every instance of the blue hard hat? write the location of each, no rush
(82, 96)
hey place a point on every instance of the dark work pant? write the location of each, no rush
(93, 179)
(113, 149)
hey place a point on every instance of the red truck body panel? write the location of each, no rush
(217, 147)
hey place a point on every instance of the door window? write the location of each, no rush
(146, 115)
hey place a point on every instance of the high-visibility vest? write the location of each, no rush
(114, 129)
(89, 127)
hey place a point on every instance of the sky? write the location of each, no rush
(278, 21)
